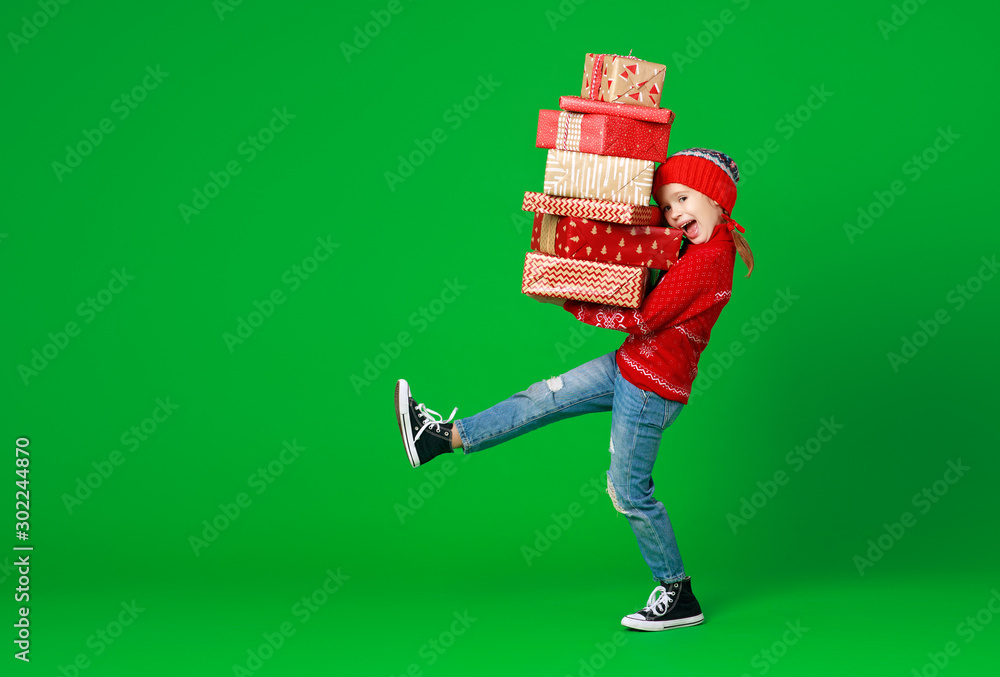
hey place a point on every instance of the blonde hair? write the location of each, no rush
(742, 246)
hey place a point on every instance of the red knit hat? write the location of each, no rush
(707, 171)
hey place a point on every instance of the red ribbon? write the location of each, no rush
(597, 76)
(730, 224)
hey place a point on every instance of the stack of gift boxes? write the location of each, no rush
(595, 235)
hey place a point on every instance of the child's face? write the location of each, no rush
(694, 213)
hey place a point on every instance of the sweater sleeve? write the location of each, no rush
(684, 292)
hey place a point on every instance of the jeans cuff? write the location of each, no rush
(460, 429)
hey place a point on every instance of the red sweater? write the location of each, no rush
(670, 329)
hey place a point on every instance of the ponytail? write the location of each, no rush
(743, 247)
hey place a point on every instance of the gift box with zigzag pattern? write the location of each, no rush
(593, 281)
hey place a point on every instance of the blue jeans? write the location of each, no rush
(638, 419)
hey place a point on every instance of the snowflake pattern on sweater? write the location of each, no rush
(671, 328)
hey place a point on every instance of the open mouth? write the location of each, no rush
(690, 228)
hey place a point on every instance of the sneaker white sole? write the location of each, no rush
(403, 418)
(642, 624)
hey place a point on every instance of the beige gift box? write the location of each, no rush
(603, 177)
(622, 79)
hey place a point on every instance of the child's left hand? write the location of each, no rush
(548, 299)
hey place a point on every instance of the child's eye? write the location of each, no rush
(682, 198)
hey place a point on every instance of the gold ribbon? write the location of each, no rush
(547, 237)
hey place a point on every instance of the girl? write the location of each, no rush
(644, 384)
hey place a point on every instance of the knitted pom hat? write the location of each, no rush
(707, 171)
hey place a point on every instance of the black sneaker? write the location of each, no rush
(671, 605)
(425, 435)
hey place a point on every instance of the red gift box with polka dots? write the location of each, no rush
(603, 134)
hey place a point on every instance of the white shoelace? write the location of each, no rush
(430, 415)
(658, 603)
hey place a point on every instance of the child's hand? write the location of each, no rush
(548, 299)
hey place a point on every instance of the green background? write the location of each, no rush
(319, 370)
